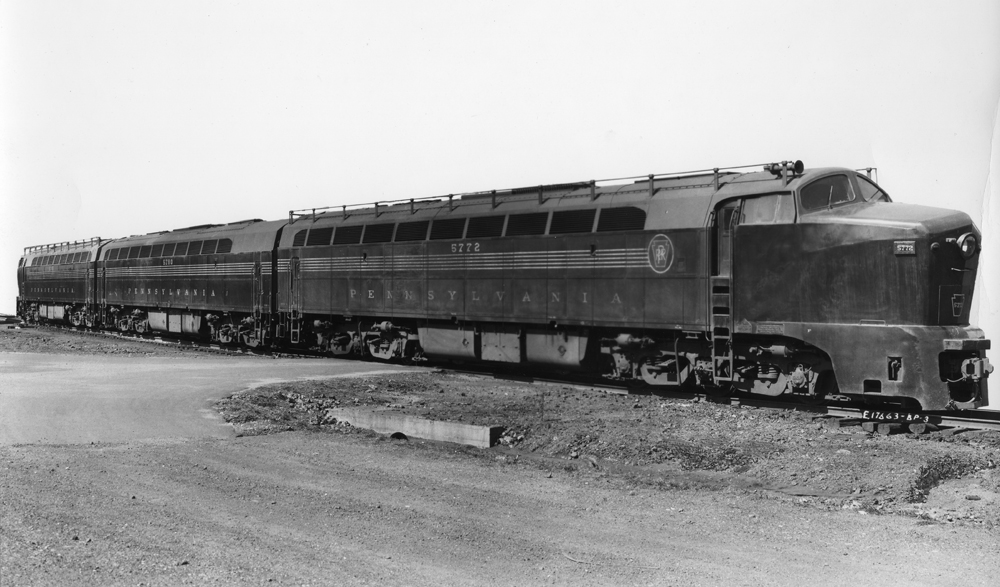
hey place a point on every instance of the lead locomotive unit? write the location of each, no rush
(782, 282)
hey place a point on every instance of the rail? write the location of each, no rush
(979, 420)
(971, 419)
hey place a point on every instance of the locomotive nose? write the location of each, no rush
(918, 230)
(923, 221)
(939, 253)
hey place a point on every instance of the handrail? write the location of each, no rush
(449, 199)
(868, 172)
(84, 242)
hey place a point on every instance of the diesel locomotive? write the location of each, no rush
(782, 281)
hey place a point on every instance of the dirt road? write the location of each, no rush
(597, 490)
(325, 509)
(72, 398)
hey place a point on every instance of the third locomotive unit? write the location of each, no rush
(782, 282)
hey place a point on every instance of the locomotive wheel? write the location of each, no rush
(376, 350)
(825, 385)
(721, 391)
(141, 327)
(337, 351)
(661, 375)
(338, 347)
(251, 341)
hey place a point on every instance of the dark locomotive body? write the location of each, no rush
(783, 282)
(56, 282)
(522, 281)
(211, 281)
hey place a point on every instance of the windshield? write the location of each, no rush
(871, 192)
(827, 192)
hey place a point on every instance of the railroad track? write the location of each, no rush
(917, 422)
(972, 420)
(837, 416)
(873, 420)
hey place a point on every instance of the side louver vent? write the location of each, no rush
(485, 227)
(527, 224)
(447, 228)
(570, 221)
(319, 237)
(411, 231)
(347, 235)
(626, 218)
(378, 233)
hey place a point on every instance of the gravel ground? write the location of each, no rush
(55, 341)
(586, 488)
(670, 443)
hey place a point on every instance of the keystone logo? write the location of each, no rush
(660, 253)
(957, 303)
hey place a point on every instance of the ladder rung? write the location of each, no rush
(721, 321)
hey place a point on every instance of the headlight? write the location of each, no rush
(968, 244)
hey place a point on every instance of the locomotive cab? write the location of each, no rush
(875, 292)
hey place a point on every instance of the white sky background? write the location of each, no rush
(128, 117)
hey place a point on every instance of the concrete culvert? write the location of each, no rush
(398, 436)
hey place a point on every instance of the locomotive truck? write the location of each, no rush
(809, 284)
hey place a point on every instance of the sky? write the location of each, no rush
(123, 117)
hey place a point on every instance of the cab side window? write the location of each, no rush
(826, 193)
(772, 209)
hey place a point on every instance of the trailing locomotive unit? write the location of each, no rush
(211, 281)
(804, 283)
(55, 282)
